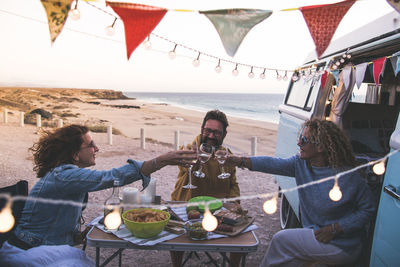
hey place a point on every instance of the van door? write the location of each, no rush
(386, 243)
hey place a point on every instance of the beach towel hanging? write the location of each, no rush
(139, 21)
(378, 68)
(360, 73)
(395, 4)
(233, 25)
(323, 20)
(395, 60)
(57, 13)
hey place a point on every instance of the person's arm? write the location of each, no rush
(180, 157)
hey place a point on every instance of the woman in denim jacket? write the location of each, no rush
(61, 158)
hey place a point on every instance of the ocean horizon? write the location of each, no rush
(261, 107)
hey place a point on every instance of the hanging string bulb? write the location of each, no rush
(270, 206)
(348, 56)
(172, 53)
(262, 75)
(278, 76)
(334, 67)
(110, 31)
(113, 220)
(196, 62)
(147, 43)
(295, 77)
(285, 77)
(235, 72)
(379, 168)
(335, 194)
(209, 221)
(7, 220)
(74, 13)
(218, 68)
(251, 73)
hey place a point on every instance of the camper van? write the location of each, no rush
(355, 85)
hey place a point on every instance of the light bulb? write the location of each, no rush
(75, 14)
(334, 67)
(235, 72)
(278, 77)
(337, 63)
(270, 206)
(171, 54)
(209, 222)
(262, 76)
(348, 56)
(196, 62)
(251, 75)
(341, 60)
(295, 78)
(113, 220)
(344, 56)
(379, 168)
(147, 44)
(285, 77)
(335, 194)
(218, 69)
(6, 219)
(110, 31)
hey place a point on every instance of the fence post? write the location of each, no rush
(5, 116)
(60, 123)
(22, 118)
(109, 134)
(254, 145)
(142, 139)
(38, 120)
(176, 140)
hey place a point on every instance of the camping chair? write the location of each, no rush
(18, 189)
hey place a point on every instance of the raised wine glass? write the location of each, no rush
(189, 184)
(203, 154)
(222, 154)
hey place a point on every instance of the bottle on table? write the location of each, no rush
(113, 201)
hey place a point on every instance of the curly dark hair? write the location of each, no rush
(333, 141)
(57, 147)
(218, 116)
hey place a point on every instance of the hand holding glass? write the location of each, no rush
(189, 184)
(222, 154)
(203, 154)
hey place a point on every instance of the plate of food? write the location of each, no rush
(212, 206)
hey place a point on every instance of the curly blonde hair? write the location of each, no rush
(333, 141)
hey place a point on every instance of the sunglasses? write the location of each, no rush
(208, 131)
(304, 140)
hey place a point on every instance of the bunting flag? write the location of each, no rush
(335, 74)
(360, 73)
(395, 4)
(324, 77)
(233, 25)
(395, 60)
(139, 21)
(57, 13)
(347, 71)
(378, 68)
(323, 20)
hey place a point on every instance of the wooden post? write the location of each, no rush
(176, 140)
(5, 116)
(254, 145)
(60, 123)
(142, 139)
(38, 120)
(22, 119)
(109, 134)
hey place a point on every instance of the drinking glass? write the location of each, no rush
(189, 184)
(222, 154)
(203, 154)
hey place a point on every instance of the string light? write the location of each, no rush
(235, 72)
(295, 77)
(196, 62)
(147, 43)
(379, 168)
(251, 73)
(113, 220)
(285, 77)
(74, 13)
(6, 218)
(172, 53)
(262, 75)
(270, 206)
(278, 76)
(209, 221)
(110, 31)
(218, 68)
(335, 194)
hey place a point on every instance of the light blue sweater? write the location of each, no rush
(353, 211)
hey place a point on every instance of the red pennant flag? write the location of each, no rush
(378, 67)
(324, 77)
(139, 21)
(323, 20)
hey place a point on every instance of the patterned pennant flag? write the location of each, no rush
(360, 73)
(233, 25)
(139, 21)
(378, 68)
(57, 13)
(395, 60)
(395, 4)
(324, 77)
(323, 20)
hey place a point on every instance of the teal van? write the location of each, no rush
(366, 104)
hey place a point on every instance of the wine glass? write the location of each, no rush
(189, 184)
(203, 154)
(222, 154)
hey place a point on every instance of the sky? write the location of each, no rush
(83, 56)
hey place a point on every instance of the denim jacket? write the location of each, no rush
(56, 224)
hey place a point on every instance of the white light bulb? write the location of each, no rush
(285, 77)
(147, 44)
(6, 219)
(337, 63)
(344, 56)
(335, 194)
(334, 67)
(218, 69)
(209, 222)
(341, 60)
(379, 168)
(171, 54)
(251, 75)
(113, 220)
(270, 206)
(262, 76)
(75, 14)
(295, 78)
(348, 56)
(235, 72)
(278, 77)
(110, 31)
(196, 62)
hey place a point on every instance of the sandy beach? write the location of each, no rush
(159, 122)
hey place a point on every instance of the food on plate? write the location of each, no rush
(174, 229)
(193, 214)
(174, 223)
(145, 215)
(225, 227)
(189, 208)
(195, 230)
(229, 217)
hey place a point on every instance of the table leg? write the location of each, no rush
(244, 259)
(120, 259)
(211, 259)
(97, 256)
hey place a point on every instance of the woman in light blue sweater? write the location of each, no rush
(333, 231)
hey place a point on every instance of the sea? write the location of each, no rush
(262, 107)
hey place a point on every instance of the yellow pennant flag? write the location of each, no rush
(57, 13)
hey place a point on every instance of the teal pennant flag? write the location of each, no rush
(395, 60)
(233, 25)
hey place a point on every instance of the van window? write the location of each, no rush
(303, 92)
